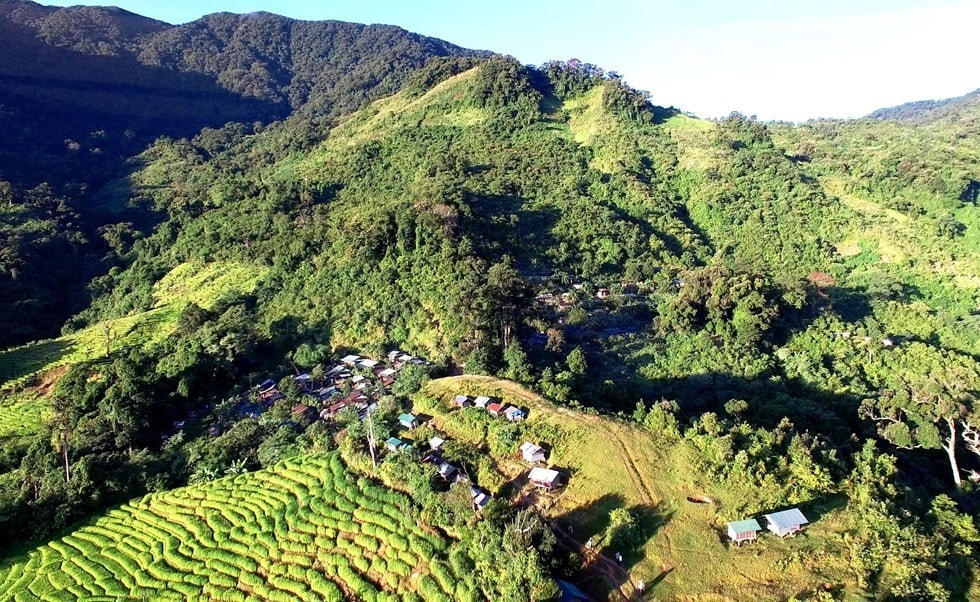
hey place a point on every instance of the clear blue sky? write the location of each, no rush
(778, 59)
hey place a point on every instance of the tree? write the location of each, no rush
(930, 414)
(518, 366)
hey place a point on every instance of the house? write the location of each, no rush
(482, 401)
(480, 498)
(514, 414)
(350, 360)
(786, 523)
(301, 410)
(495, 409)
(367, 363)
(462, 401)
(394, 443)
(304, 381)
(568, 592)
(602, 293)
(741, 531)
(408, 421)
(332, 410)
(532, 453)
(544, 477)
(448, 472)
(435, 443)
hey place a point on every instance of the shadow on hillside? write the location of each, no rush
(587, 528)
(29, 359)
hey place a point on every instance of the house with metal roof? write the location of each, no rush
(532, 453)
(408, 421)
(786, 523)
(462, 401)
(544, 477)
(514, 413)
(742, 531)
(481, 401)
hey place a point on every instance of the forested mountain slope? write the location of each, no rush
(82, 89)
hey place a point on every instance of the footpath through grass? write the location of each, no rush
(613, 464)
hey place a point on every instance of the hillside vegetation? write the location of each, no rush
(296, 531)
(766, 315)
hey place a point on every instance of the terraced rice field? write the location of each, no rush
(303, 530)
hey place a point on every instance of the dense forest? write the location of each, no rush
(794, 307)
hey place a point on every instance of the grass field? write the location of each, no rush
(613, 464)
(302, 530)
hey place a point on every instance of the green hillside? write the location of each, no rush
(763, 315)
(301, 530)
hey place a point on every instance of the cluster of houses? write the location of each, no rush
(539, 476)
(351, 382)
(786, 523)
(492, 407)
(447, 471)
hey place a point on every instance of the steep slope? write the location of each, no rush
(86, 88)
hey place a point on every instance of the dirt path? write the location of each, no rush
(599, 565)
(629, 461)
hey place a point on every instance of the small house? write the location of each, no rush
(367, 363)
(742, 531)
(602, 293)
(408, 421)
(544, 477)
(481, 401)
(462, 401)
(301, 410)
(448, 472)
(532, 453)
(304, 381)
(350, 360)
(786, 523)
(435, 443)
(480, 498)
(513, 414)
(495, 409)
(394, 444)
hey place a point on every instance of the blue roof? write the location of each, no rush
(744, 526)
(569, 592)
(406, 418)
(394, 441)
(787, 518)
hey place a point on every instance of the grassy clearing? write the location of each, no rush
(614, 464)
(188, 283)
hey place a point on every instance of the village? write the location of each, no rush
(354, 383)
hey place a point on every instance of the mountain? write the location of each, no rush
(72, 72)
(766, 316)
(83, 89)
(927, 111)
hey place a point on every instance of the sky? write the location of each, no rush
(776, 59)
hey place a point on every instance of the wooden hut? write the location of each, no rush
(532, 453)
(408, 421)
